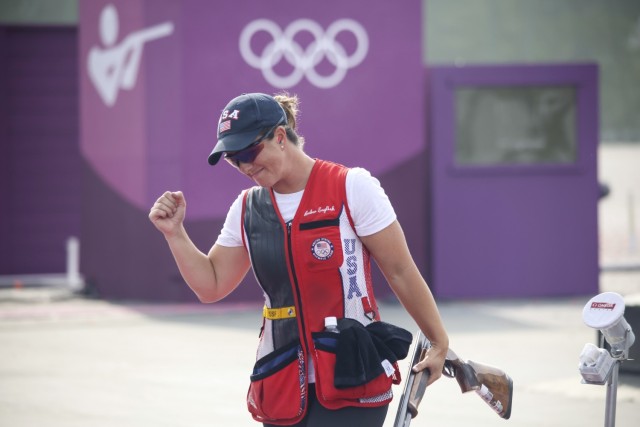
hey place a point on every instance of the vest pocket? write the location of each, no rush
(325, 344)
(278, 385)
(322, 248)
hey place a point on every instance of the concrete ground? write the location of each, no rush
(70, 361)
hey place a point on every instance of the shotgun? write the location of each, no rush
(493, 385)
(415, 385)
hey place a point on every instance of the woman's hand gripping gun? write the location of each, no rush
(493, 385)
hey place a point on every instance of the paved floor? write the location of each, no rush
(76, 362)
(67, 361)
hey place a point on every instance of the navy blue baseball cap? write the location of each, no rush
(243, 119)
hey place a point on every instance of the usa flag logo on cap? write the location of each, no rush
(224, 126)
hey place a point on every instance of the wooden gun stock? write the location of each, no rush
(493, 385)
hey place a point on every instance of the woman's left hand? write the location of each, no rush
(433, 360)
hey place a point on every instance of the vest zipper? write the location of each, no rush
(299, 313)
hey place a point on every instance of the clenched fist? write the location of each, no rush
(168, 212)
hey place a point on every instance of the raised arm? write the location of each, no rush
(211, 276)
(389, 248)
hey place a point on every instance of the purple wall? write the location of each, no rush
(151, 88)
(40, 175)
(155, 130)
(515, 229)
(4, 147)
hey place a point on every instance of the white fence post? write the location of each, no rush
(73, 264)
(71, 279)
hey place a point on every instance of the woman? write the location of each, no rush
(307, 230)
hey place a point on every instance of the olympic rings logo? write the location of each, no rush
(304, 60)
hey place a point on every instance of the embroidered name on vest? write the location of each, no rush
(319, 210)
(352, 267)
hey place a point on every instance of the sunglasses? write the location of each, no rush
(249, 154)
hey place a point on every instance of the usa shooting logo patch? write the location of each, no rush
(322, 249)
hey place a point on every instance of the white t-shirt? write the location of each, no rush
(370, 208)
(369, 205)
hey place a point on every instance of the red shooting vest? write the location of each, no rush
(317, 265)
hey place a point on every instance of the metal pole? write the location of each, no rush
(612, 392)
(632, 225)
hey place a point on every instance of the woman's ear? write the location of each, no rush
(281, 135)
